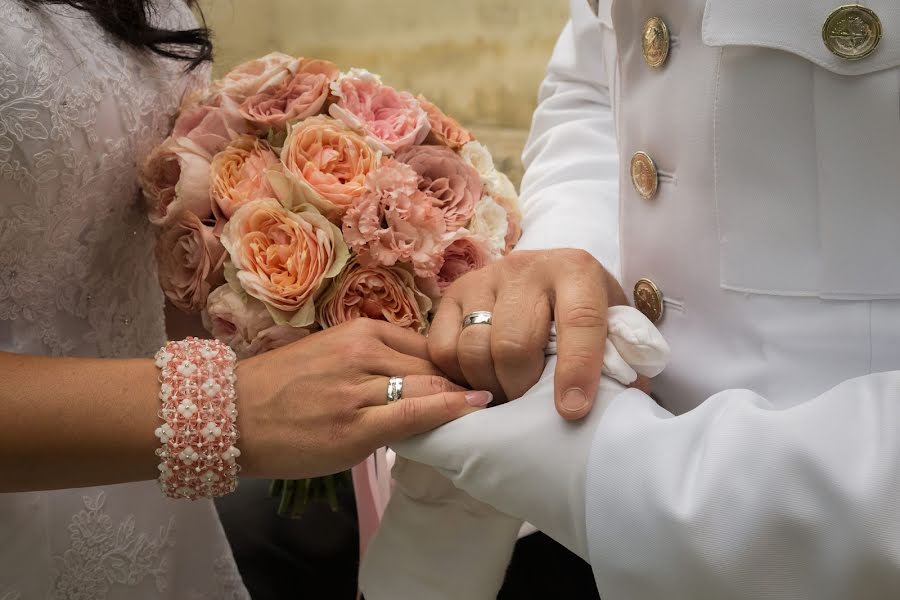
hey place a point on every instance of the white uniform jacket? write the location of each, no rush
(764, 219)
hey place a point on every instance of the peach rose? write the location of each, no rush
(190, 260)
(514, 219)
(238, 174)
(396, 222)
(175, 178)
(283, 258)
(445, 130)
(375, 292)
(453, 186)
(465, 254)
(244, 323)
(252, 77)
(212, 126)
(298, 97)
(325, 164)
(390, 120)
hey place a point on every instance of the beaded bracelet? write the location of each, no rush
(199, 433)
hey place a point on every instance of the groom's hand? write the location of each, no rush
(526, 291)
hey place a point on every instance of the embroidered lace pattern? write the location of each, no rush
(78, 114)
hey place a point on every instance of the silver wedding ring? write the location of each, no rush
(394, 389)
(479, 317)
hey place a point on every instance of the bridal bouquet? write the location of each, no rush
(293, 197)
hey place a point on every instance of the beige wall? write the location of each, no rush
(481, 60)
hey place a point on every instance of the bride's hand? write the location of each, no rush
(319, 406)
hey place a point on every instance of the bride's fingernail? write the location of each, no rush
(479, 399)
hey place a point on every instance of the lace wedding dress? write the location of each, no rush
(78, 113)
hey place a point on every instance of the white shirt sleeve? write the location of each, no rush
(738, 499)
(570, 193)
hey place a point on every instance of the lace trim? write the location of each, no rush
(103, 554)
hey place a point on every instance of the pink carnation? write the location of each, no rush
(452, 185)
(395, 222)
(391, 120)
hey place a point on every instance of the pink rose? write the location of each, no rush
(254, 76)
(391, 120)
(238, 175)
(283, 258)
(465, 254)
(452, 185)
(298, 97)
(375, 292)
(190, 261)
(445, 130)
(395, 222)
(175, 178)
(326, 165)
(245, 324)
(211, 126)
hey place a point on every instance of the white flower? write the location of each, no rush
(231, 409)
(231, 454)
(500, 186)
(209, 478)
(188, 455)
(479, 158)
(165, 390)
(354, 73)
(211, 388)
(162, 358)
(187, 368)
(492, 223)
(165, 433)
(211, 431)
(187, 409)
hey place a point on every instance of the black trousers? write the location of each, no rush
(316, 557)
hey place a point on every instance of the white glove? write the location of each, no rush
(522, 457)
(436, 543)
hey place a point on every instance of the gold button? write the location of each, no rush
(655, 42)
(852, 32)
(644, 175)
(648, 299)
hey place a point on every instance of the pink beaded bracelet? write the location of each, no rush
(199, 433)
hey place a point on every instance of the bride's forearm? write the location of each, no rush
(70, 422)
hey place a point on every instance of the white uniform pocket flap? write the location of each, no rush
(796, 26)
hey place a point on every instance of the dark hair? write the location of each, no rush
(131, 21)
